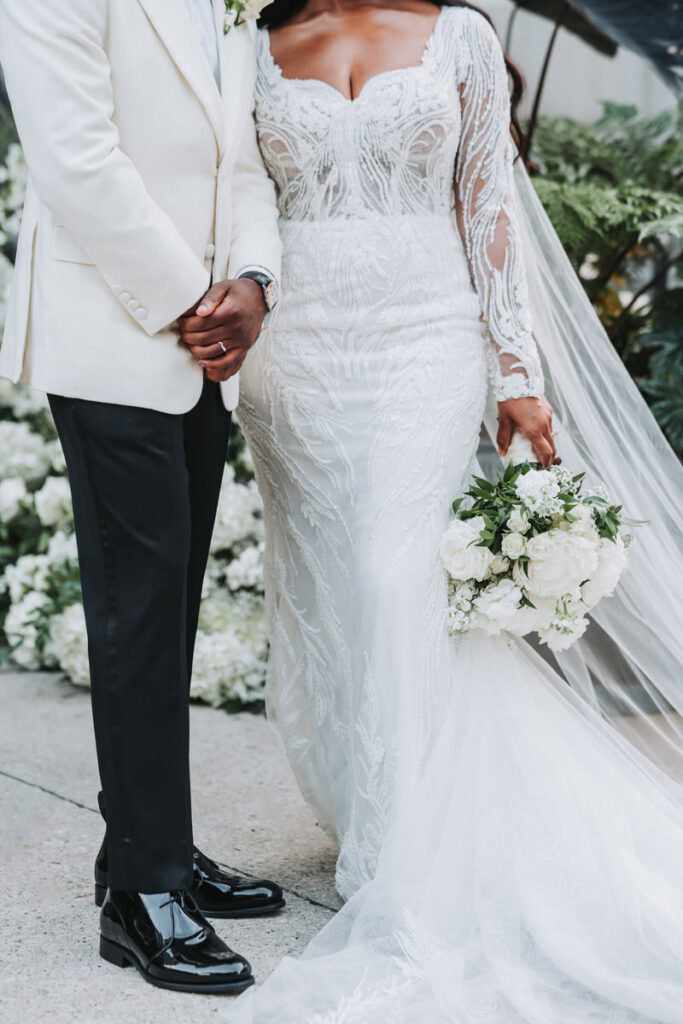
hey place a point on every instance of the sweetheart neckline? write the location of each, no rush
(351, 100)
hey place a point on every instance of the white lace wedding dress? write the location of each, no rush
(506, 858)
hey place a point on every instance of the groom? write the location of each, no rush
(147, 202)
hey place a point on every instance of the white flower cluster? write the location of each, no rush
(44, 625)
(23, 453)
(552, 568)
(239, 516)
(13, 177)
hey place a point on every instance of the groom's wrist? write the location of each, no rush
(268, 284)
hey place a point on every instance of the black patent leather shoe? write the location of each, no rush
(216, 893)
(221, 895)
(166, 937)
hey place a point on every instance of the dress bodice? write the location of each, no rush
(432, 139)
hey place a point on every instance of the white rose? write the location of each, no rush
(13, 496)
(612, 561)
(499, 565)
(559, 562)
(462, 558)
(518, 521)
(538, 490)
(513, 545)
(499, 602)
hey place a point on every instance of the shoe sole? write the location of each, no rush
(264, 911)
(120, 957)
(270, 908)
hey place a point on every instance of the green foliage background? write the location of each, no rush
(614, 193)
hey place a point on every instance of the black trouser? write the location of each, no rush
(145, 489)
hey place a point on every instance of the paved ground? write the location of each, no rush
(248, 815)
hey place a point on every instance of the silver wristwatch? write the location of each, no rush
(271, 289)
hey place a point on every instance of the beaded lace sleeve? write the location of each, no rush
(485, 210)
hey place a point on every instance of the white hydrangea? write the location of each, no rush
(231, 651)
(227, 669)
(53, 502)
(23, 453)
(246, 571)
(6, 271)
(57, 460)
(62, 548)
(238, 518)
(29, 574)
(14, 498)
(22, 402)
(21, 631)
(563, 632)
(538, 490)
(68, 644)
(13, 178)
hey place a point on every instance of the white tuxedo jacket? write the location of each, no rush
(143, 186)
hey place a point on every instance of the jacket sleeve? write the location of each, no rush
(255, 234)
(58, 79)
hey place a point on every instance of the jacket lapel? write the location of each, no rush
(235, 48)
(177, 33)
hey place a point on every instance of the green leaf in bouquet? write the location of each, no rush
(456, 505)
(525, 601)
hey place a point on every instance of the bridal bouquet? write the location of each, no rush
(532, 554)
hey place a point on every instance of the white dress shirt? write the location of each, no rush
(201, 14)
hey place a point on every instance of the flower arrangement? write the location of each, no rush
(532, 553)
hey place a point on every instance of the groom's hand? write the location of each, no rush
(224, 325)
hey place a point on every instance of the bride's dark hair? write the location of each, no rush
(282, 11)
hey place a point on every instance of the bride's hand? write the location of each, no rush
(532, 417)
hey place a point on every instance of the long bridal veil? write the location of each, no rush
(632, 658)
(532, 873)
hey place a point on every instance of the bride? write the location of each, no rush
(510, 830)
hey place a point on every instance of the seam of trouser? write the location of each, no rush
(111, 668)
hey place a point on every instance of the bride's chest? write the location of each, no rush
(408, 118)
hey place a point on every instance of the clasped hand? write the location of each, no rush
(223, 326)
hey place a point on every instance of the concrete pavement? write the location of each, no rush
(248, 815)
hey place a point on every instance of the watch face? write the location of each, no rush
(272, 294)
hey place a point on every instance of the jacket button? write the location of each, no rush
(133, 305)
(125, 296)
(140, 313)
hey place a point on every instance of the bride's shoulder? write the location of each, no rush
(470, 30)
(466, 21)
